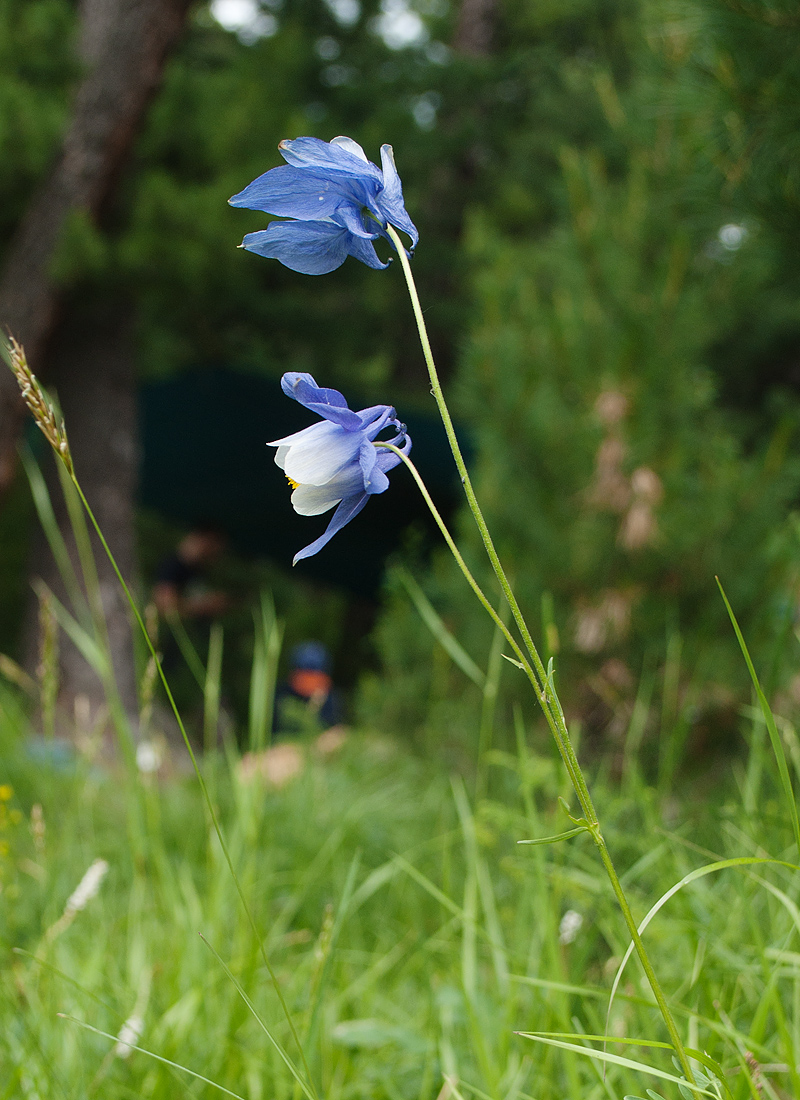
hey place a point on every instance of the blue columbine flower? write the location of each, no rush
(341, 203)
(335, 461)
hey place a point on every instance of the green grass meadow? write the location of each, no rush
(413, 938)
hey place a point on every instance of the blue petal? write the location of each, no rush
(308, 195)
(379, 482)
(364, 250)
(367, 456)
(310, 152)
(324, 402)
(370, 415)
(375, 480)
(349, 215)
(387, 460)
(351, 146)
(390, 200)
(374, 420)
(343, 514)
(312, 248)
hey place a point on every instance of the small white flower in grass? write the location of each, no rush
(148, 757)
(129, 1035)
(87, 888)
(571, 924)
(131, 1031)
(80, 897)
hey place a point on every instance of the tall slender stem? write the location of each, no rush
(542, 683)
(550, 706)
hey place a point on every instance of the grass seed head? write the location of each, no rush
(49, 422)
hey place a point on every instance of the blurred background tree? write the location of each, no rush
(81, 346)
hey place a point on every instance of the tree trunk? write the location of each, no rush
(123, 45)
(474, 27)
(92, 369)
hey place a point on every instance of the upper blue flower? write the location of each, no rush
(340, 201)
(336, 461)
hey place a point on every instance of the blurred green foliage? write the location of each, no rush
(608, 204)
(622, 462)
(37, 67)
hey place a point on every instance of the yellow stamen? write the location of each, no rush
(293, 484)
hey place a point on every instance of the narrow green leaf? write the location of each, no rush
(188, 652)
(434, 623)
(627, 1040)
(150, 1054)
(432, 889)
(55, 540)
(616, 1060)
(559, 836)
(83, 641)
(774, 736)
(700, 872)
(281, 1052)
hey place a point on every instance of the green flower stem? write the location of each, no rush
(459, 460)
(476, 588)
(551, 707)
(201, 781)
(542, 683)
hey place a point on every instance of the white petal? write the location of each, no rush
(351, 147)
(299, 437)
(280, 455)
(320, 457)
(313, 500)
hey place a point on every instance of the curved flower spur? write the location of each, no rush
(340, 202)
(336, 462)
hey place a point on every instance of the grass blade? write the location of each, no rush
(150, 1054)
(188, 652)
(55, 540)
(774, 736)
(434, 623)
(90, 650)
(700, 872)
(281, 1052)
(616, 1060)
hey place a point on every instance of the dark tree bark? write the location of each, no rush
(88, 357)
(473, 36)
(91, 364)
(123, 45)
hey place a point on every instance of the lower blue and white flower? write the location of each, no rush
(335, 462)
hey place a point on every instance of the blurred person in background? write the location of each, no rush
(308, 697)
(180, 588)
(189, 605)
